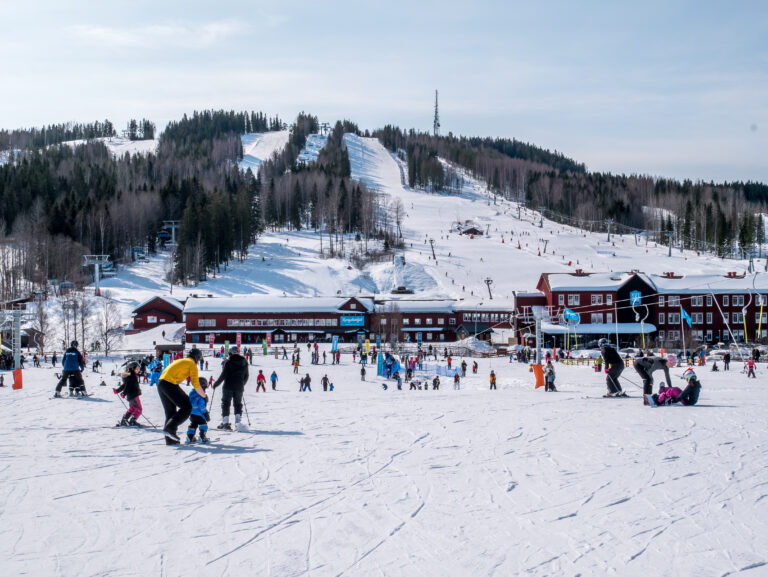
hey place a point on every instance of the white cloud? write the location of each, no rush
(152, 36)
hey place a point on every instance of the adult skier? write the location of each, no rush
(615, 365)
(273, 378)
(234, 375)
(645, 366)
(175, 403)
(72, 364)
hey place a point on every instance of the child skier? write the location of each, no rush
(261, 381)
(273, 378)
(549, 377)
(131, 390)
(199, 416)
(492, 378)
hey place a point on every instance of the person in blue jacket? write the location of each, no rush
(157, 368)
(72, 364)
(199, 417)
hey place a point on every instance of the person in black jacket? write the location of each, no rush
(72, 364)
(615, 365)
(131, 390)
(234, 375)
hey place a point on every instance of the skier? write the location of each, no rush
(751, 368)
(645, 366)
(362, 373)
(175, 403)
(474, 367)
(492, 378)
(261, 382)
(157, 368)
(200, 415)
(463, 368)
(690, 395)
(549, 377)
(54, 358)
(72, 364)
(615, 365)
(399, 380)
(436, 383)
(727, 361)
(456, 381)
(325, 382)
(273, 378)
(131, 390)
(307, 383)
(234, 375)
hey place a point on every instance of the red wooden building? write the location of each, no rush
(156, 311)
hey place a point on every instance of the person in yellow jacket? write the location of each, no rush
(175, 402)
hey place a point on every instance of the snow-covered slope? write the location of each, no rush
(259, 146)
(119, 146)
(361, 481)
(315, 143)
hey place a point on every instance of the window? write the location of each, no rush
(352, 306)
(709, 300)
(494, 317)
(697, 335)
(467, 317)
(609, 299)
(609, 318)
(417, 321)
(661, 301)
(709, 335)
(661, 318)
(442, 336)
(573, 300)
(406, 322)
(429, 336)
(597, 299)
(697, 301)
(429, 321)
(697, 318)
(709, 318)
(738, 300)
(597, 317)
(725, 300)
(673, 335)
(484, 317)
(151, 319)
(764, 319)
(673, 301)
(661, 335)
(738, 318)
(452, 321)
(206, 322)
(762, 300)
(673, 318)
(383, 321)
(561, 299)
(441, 321)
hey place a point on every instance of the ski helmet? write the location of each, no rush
(689, 374)
(73, 344)
(195, 354)
(602, 343)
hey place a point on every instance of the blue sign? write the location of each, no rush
(335, 343)
(418, 337)
(634, 297)
(352, 321)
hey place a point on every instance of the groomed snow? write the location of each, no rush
(260, 146)
(362, 481)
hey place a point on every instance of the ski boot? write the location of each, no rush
(226, 426)
(191, 440)
(171, 438)
(124, 422)
(204, 438)
(239, 425)
(132, 422)
(57, 395)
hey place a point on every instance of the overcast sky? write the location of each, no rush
(666, 88)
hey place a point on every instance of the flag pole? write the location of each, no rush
(682, 335)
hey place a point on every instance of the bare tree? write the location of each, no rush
(109, 324)
(41, 324)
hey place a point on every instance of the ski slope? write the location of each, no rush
(362, 481)
(259, 146)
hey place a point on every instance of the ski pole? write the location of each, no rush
(245, 406)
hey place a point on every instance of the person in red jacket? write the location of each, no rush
(261, 382)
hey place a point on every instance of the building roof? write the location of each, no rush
(273, 304)
(599, 328)
(605, 281)
(705, 283)
(416, 305)
(170, 300)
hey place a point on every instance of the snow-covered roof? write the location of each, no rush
(704, 283)
(599, 328)
(170, 300)
(272, 304)
(607, 281)
(417, 305)
(485, 305)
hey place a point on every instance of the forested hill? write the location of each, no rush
(707, 216)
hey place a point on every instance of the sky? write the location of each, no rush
(665, 88)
